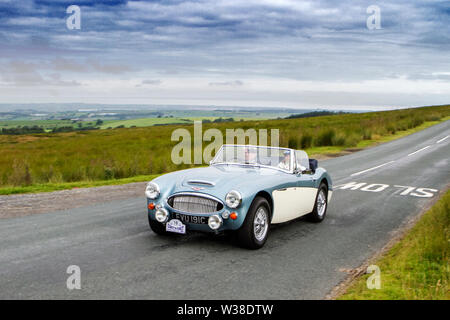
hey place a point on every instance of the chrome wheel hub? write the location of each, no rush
(260, 224)
(321, 203)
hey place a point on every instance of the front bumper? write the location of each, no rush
(228, 224)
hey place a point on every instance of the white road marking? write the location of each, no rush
(378, 187)
(439, 141)
(370, 169)
(412, 153)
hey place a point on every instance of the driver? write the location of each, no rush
(285, 163)
(250, 155)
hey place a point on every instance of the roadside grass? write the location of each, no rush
(417, 267)
(49, 187)
(52, 161)
(336, 150)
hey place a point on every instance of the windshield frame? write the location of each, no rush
(292, 158)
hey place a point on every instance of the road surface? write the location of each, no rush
(119, 257)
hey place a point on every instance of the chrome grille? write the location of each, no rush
(194, 204)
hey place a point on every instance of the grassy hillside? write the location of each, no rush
(121, 153)
(418, 266)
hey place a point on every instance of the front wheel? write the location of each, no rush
(255, 229)
(320, 207)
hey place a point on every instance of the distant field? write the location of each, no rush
(46, 124)
(122, 153)
(146, 122)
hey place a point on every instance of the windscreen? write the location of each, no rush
(278, 158)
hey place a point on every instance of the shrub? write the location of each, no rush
(325, 138)
(293, 142)
(306, 141)
(21, 175)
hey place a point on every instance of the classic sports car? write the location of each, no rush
(244, 190)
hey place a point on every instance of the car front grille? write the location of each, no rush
(194, 204)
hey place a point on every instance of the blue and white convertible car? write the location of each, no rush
(244, 190)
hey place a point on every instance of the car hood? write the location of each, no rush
(218, 180)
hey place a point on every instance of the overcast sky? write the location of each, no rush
(284, 53)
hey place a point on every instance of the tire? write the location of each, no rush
(249, 235)
(320, 204)
(157, 227)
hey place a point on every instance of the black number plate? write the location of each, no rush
(191, 219)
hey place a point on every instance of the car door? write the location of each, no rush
(305, 193)
(297, 197)
(286, 202)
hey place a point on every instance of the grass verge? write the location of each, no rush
(376, 140)
(49, 187)
(417, 267)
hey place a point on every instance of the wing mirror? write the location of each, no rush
(302, 170)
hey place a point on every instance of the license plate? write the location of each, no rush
(176, 226)
(191, 219)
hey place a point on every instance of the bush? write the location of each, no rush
(21, 175)
(325, 138)
(306, 141)
(339, 139)
(293, 142)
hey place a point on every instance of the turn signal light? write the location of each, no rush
(233, 215)
(151, 206)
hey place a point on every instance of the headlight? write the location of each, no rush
(161, 215)
(233, 199)
(214, 222)
(152, 190)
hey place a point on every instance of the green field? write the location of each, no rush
(98, 155)
(146, 122)
(417, 267)
(47, 124)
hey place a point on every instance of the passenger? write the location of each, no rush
(285, 163)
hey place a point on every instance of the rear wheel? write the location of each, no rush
(255, 229)
(320, 207)
(157, 227)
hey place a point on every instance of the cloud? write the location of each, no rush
(320, 41)
(155, 82)
(152, 82)
(236, 83)
(22, 74)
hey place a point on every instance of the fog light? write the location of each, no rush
(161, 215)
(225, 214)
(214, 222)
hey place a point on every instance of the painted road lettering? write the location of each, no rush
(379, 187)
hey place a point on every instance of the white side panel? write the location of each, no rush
(292, 203)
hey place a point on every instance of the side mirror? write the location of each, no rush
(298, 170)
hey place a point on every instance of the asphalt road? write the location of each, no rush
(119, 257)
